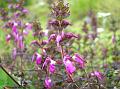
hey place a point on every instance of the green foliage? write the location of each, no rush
(5, 80)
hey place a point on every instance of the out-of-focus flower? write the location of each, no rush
(8, 37)
(44, 42)
(79, 59)
(58, 38)
(14, 53)
(52, 37)
(35, 42)
(52, 66)
(65, 23)
(38, 58)
(70, 35)
(16, 14)
(28, 26)
(14, 29)
(47, 60)
(70, 68)
(25, 11)
(48, 83)
(20, 42)
(54, 23)
(97, 74)
(25, 32)
(113, 38)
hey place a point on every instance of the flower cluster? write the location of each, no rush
(54, 49)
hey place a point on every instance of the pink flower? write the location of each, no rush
(28, 26)
(8, 37)
(14, 53)
(70, 35)
(48, 83)
(14, 28)
(79, 60)
(25, 32)
(25, 11)
(38, 59)
(65, 23)
(113, 38)
(51, 63)
(20, 42)
(58, 39)
(68, 64)
(52, 66)
(47, 60)
(97, 74)
(52, 37)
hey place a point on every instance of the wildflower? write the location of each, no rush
(97, 74)
(8, 37)
(70, 35)
(68, 64)
(58, 39)
(54, 23)
(25, 32)
(44, 42)
(52, 37)
(79, 60)
(28, 26)
(52, 66)
(14, 53)
(47, 60)
(48, 83)
(65, 23)
(38, 59)
(14, 29)
(25, 11)
(20, 42)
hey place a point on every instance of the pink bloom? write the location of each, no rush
(25, 11)
(68, 65)
(14, 28)
(52, 66)
(52, 37)
(48, 83)
(25, 32)
(79, 60)
(47, 60)
(20, 42)
(44, 42)
(65, 23)
(28, 26)
(38, 59)
(97, 74)
(113, 38)
(58, 39)
(70, 35)
(8, 37)
(14, 53)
